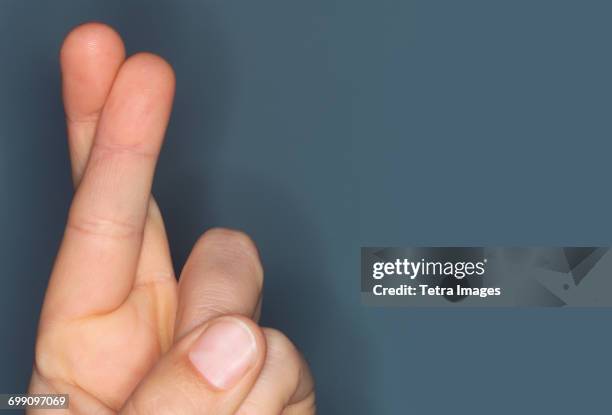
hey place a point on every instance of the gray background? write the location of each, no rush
(321, 126)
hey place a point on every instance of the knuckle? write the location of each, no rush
(43, 359)
(51, 360)
(307, 406)
(103, 226)
(114, 149)
(282, 352)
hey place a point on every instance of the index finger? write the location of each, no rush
(100, 250)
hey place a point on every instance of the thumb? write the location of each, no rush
(209, 371)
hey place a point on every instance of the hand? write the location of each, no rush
(117, 333)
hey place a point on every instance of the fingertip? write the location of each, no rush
(223, 275)
(90, 57)
(92, 37)
(150, 70)
(138, 107)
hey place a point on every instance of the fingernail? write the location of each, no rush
(224, 352)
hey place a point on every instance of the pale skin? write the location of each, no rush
(117, 332)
